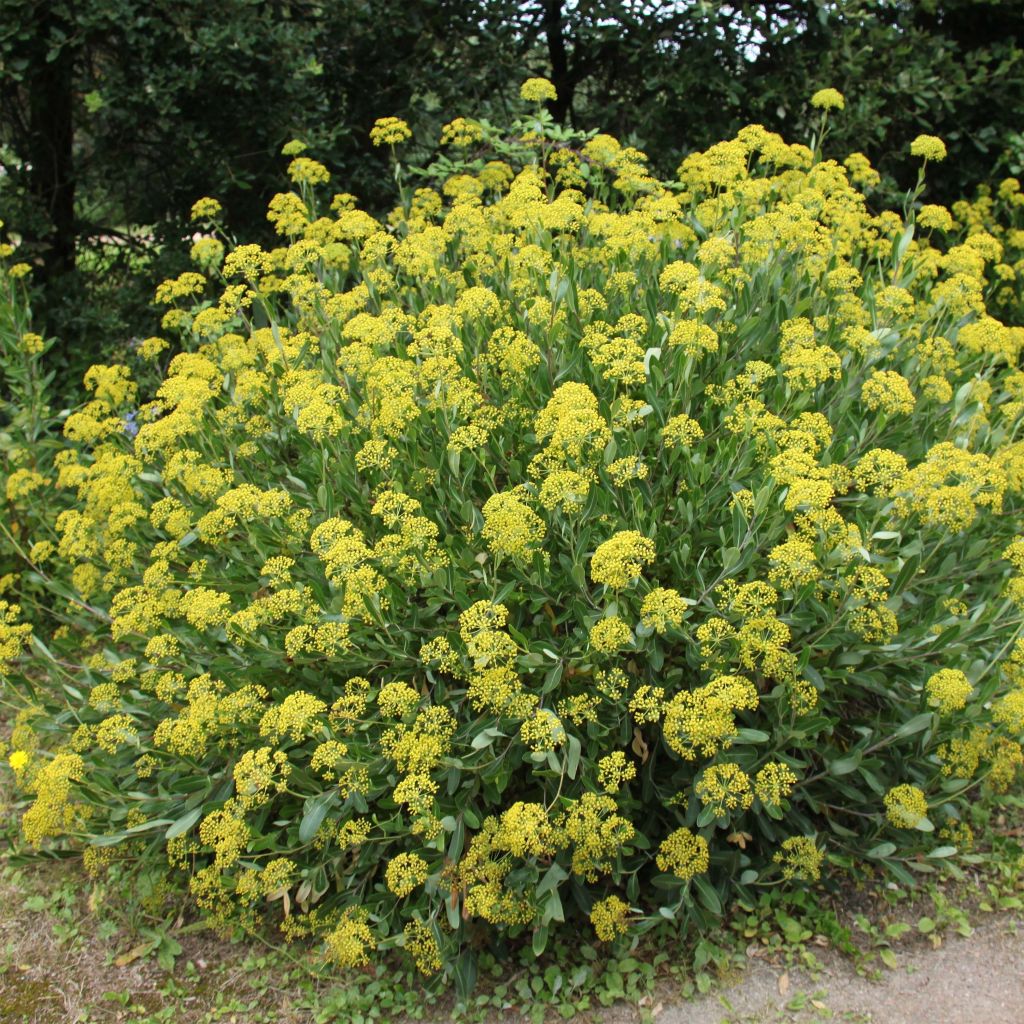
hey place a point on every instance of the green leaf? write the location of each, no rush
(904, 242)
(847, 764)
(707, 894)
(882, 850)
(916, 724)
(485, 738)
(465, 973)
(184, 823)
(313, 813)
(553, 877)
(553, 910)
(573, 753)
(906, 574)
(706, 817)
(148, 826)
(751, 736)
(458, 840)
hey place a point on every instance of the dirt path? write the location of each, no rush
(973, 980)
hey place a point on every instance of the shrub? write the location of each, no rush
(574, 543)
(995, 219)
(28, 436)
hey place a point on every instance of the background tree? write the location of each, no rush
(115, 115)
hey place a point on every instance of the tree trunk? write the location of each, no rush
(50, 147)
(554, 28)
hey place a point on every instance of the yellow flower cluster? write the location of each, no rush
(929, 147)
(828, 99)
(724, 788)
(906, 806)
(537, 90)
(800, 858)
(405, 872)
(511, 527)
(683, 854)
(619, 561)
(608, 916)
(702, 721)
(388, 131)
(949, 689)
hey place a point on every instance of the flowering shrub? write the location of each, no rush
(571, 543)
(998, 217)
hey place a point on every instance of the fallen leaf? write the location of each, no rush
(133, 954)
(783, 983)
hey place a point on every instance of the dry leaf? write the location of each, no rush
(640, 746)
(133, 954)
(783, 983)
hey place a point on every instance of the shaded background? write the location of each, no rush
(115, 115)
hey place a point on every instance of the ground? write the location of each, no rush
(973, 980)
(65, 960)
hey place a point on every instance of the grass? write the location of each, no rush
(72, 950)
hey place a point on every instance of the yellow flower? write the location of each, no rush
(32, 344)
(828, 99)
(614, 770)
(929, 147)
(389, 131)
(351, 940)
(461, 132)
(537, 90)
(304, 171)
(702, 721)
(724, 788)
(935, 218)
(542, 731)
(608, 916)
(888, 391)
(205, 209)
(800, 858)
(18, 760)
(397, 700)
(773, 783)
(906, 806)
(511, 527)
(683, 854)
(619, 561)
(610, 635)
(405, 872)
(662, 608)
(421, 945)
(681, 431)
(949, 688)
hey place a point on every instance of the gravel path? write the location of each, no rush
(973, 980)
